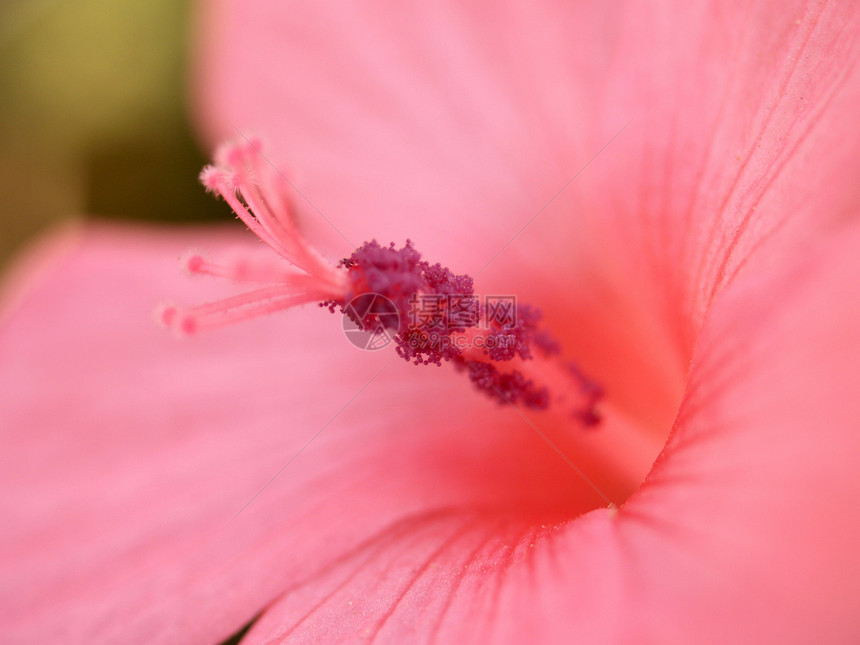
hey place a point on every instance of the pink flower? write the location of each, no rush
(700, 263)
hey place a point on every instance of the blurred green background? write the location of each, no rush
(93, 116)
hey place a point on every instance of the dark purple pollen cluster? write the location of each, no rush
(401, 276)
(406, 281)
(507, 387)
(396, 274)
(518, 339)
(592, 392)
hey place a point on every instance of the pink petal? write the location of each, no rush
(454, 124)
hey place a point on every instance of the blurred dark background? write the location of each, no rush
(93, 116)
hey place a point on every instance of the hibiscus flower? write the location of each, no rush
(672, 185)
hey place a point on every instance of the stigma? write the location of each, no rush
(431, 314)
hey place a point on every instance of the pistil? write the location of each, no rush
(512, 359)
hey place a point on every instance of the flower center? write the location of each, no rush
(503, 350)
(433, 316)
